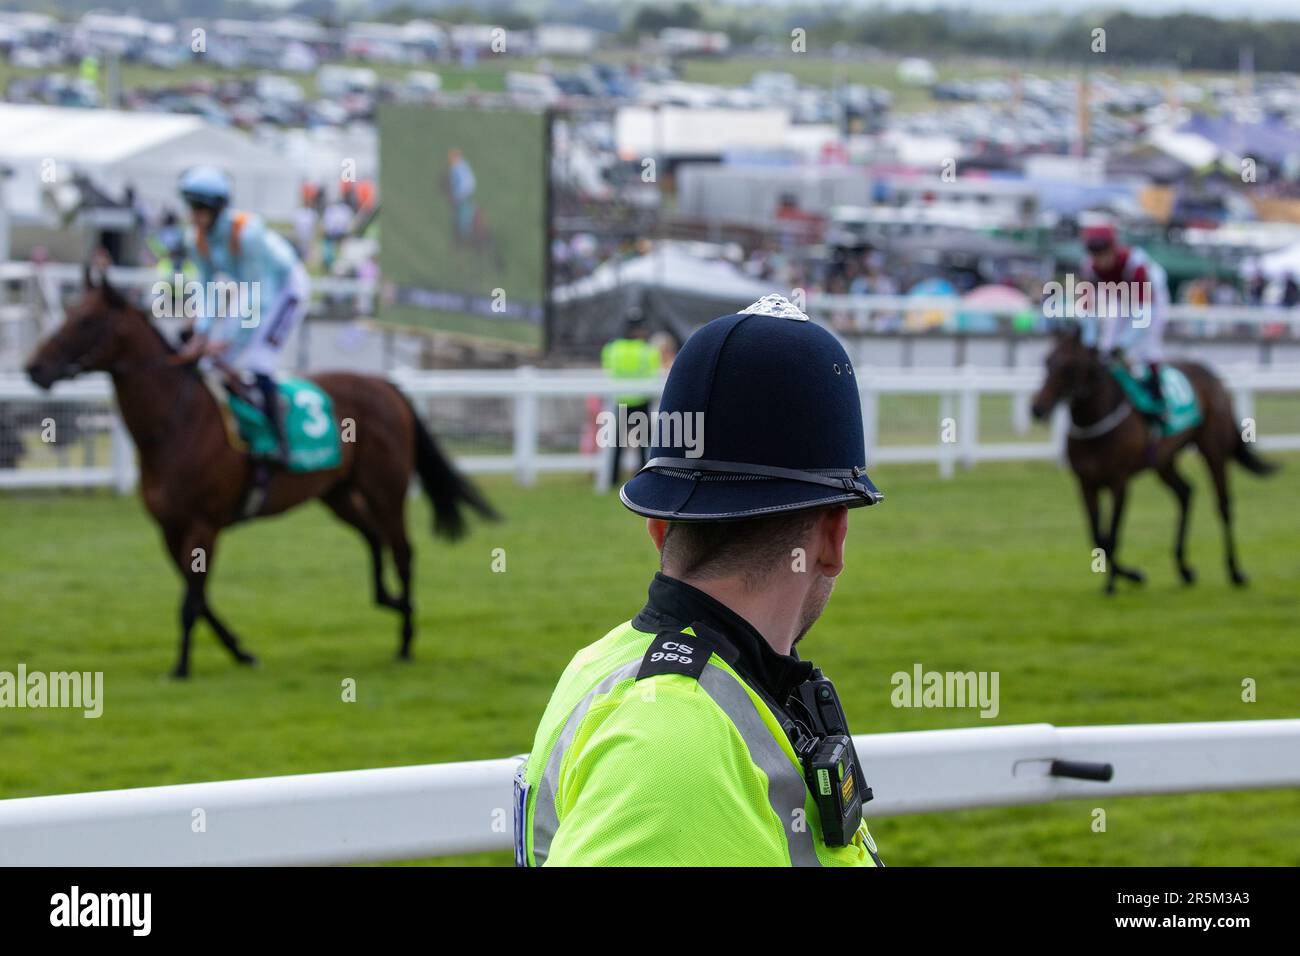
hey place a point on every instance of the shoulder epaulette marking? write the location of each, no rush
(683, 651)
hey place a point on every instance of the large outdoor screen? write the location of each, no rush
(463, 231)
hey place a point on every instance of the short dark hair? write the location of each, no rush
(753, 547)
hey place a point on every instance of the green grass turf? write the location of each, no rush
(989, 571)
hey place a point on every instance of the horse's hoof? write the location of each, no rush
(1239, 580)
(1188, 575)
(405, 657)
(179, 673)
(249, 660)
(1130, 574)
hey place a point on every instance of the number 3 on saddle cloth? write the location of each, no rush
(311, 433)
(1176, 410)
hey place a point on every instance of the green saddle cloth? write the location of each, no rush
(1180, 409)
(312, 433)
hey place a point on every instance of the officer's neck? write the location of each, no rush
(775, 612)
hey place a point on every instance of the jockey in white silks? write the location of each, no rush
(1130, 304)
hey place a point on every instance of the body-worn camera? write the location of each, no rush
(829, 760)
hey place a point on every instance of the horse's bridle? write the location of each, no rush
(72, 369)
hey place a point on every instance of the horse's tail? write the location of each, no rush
(1241, 451)
(445, 486)
(1252, 462)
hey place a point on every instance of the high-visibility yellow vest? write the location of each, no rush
(667, 770)
(630, 358)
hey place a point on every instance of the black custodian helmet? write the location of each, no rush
(778, 401)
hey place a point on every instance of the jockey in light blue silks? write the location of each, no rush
(1128, 317)
(272, 287)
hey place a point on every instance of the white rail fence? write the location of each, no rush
(40, 290)
(407, 813)
(956, 435)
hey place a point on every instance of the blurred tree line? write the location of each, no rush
(1189, 41)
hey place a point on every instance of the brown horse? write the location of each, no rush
(194, 483)
(1110, 442)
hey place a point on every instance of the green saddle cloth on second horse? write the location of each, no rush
(310, 429)
(1180, 409)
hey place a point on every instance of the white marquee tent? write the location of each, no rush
(145, 150)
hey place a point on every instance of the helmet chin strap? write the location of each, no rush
(852, 480)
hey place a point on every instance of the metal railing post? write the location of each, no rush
(947, 449)
(122, 457)
(526, 425)
(968, 423)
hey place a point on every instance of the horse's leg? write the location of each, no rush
(1219, 473)
(383, 470)
(1090, 492)
(1168, 473)
(390, 515)
(351, 510)
(1118, 494)
(178, 546)
(192, 548)
(226, 635)
(402, 556)
(386, 505)
(198, 585)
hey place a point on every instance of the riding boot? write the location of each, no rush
(270, 392)
(1155, 421)
(1153, 384)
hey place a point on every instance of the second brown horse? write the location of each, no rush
(1110, 443)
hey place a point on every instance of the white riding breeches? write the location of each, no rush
(275, 326)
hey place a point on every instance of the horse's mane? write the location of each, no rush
(115, 299)
(158, 333)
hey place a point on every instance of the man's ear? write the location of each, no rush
(657, 528)
(832, 529)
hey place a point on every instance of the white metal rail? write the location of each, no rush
(405, 813)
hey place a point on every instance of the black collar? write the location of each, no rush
(674, 603)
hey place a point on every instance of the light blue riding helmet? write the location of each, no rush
(205, 186)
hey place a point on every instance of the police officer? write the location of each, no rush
(630, 356)
(694, 734)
